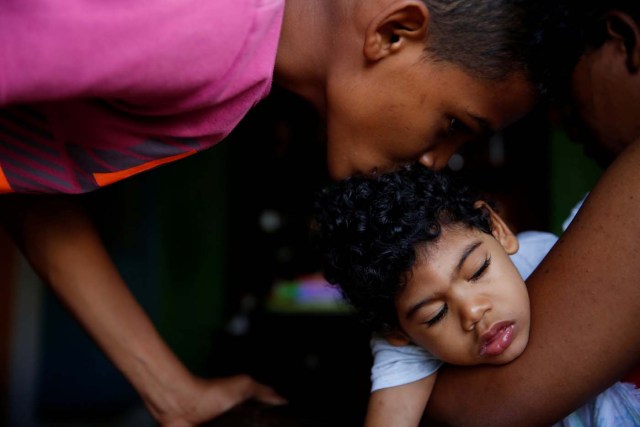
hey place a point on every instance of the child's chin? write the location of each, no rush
(515, 351)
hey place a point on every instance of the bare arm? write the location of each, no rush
(400, 406)
(65, 250)
(585, 300)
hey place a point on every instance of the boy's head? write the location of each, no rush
(413, 80)
(424, 261)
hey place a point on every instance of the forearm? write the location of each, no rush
(65, 250)
(585, 299)
(400, 406)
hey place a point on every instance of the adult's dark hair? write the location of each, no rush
(494, 38)
(367, 231)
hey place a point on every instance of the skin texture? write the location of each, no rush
(584, 295)
(400, 128)
(399, 406)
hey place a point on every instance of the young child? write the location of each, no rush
(439, 276)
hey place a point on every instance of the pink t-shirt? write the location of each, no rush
(92, 92)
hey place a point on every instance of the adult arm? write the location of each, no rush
(64, 248)
(400, 406)
(585, 299)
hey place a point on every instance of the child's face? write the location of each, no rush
(465, 302)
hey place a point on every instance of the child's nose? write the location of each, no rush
(473, 310)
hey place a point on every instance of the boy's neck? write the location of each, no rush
(310, 30)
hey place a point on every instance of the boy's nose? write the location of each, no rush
(473, 310)
(437, 157)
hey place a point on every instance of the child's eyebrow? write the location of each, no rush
(465, 254)
(412, 311)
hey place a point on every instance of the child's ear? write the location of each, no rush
(399, 23)
(499, 229)
(397, 337)
(623, 30)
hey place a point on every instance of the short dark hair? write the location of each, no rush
(493, 39)
(367, 230)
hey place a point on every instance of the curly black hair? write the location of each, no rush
(367, 230)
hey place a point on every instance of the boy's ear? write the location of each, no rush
(397, 337)
(623, 30)
(391, 29)
(499, 229)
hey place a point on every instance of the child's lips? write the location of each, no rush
(497, 339)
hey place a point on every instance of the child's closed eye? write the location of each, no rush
(438, 317)
(480, 271)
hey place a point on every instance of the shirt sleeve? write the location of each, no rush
(398, 365)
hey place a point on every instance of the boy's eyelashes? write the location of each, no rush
(457, 125)
(439, 316)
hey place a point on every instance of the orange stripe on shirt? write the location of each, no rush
(107, 178)
(5, 187)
